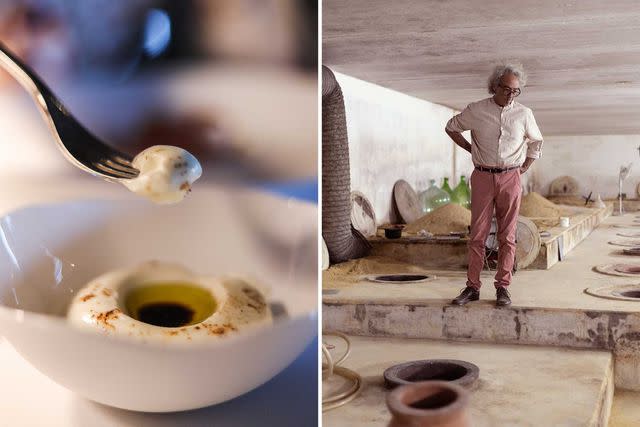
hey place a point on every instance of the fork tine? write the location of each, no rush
(120, 167)
(114, 173)
(122, 159)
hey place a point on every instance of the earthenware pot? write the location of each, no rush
(429, 404)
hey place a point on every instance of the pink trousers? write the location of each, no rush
(501, 191)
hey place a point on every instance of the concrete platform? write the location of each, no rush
(431, 253)
(564, 240)
(628, 205)
(549, 306)
(518, 385)
(625, 410)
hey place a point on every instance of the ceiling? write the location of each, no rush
(582, 57)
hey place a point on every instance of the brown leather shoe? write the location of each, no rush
(502, 296)
(468, 294)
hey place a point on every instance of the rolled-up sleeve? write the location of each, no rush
(534, 137)
(460, 122)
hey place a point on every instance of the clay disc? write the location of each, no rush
(564, 186)
(325, 255)
(528, 242)
(363, 216)
(623, 234)
(625, 225)
(627, 268)
(612, 269)
(615, 292)
(629, 243)
(406, 201)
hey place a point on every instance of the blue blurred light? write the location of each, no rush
(303, 189)
(157, 32)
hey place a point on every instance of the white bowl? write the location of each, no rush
(48, 252)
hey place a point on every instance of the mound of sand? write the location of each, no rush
(351, 271)
(536, 206)
(574, 201)
(569, 200)
(443, 220)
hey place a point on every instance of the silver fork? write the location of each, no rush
(77, 144)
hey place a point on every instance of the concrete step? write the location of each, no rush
(518, 385)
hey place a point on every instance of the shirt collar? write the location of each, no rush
(506, 107)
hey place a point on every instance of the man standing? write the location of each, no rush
(505, 142)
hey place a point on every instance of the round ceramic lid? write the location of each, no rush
(527, 242)
(618, 292)
(625, 242)
(625, 234)
(406, 201)
(564, 186)
(627, 268)
(363, 216)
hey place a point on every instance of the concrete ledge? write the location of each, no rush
(429, 253)
(423, 252)
(568, 238)
(615, 331)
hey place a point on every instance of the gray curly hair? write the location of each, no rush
(500, 70)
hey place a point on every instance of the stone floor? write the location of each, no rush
(518, 385)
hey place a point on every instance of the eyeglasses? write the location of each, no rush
(506, 90)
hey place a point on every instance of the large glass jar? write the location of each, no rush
(446, 187)
(433, 197)
(462, 194)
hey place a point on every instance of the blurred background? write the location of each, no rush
(234, 82)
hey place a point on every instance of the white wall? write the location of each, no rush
(592, 160)
(394, 136)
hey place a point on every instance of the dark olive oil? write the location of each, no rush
(170, 304)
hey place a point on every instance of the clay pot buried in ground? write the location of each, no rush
(429, 404)
(628, 268)
(631, 251)
(459, 372)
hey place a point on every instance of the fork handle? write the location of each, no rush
(26, 77)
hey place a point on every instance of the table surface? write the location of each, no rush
(29, 398)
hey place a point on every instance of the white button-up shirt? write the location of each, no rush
(501, 136)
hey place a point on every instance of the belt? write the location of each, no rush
(495, 170)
